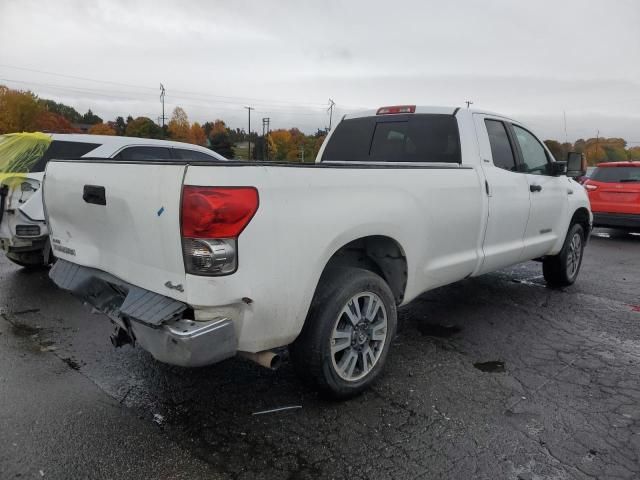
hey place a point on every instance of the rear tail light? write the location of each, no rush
(212, 220)
(396, 109)
(590, 187)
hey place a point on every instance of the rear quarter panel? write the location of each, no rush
(306, 214)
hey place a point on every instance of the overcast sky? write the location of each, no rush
(530, 60)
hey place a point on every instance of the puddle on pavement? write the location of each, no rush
(440, 331)
(493, 366)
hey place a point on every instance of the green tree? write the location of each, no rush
(91, 118)
(221, 143)
(120, 126)
(66, 111)
(143, 127)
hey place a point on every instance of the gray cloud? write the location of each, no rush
(531, 61)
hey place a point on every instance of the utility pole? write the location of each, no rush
(249, 136)
(162, 91)
(265, 132)
(597, 144)
(330, 110)
(468, 104)
(302, 152)
(565, 126)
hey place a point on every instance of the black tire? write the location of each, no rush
(562, 270)
(311, 352)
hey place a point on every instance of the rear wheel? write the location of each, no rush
(562, 270)
(346, 338)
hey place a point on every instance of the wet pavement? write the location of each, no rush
(493, 377)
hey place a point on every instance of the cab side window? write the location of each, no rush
(501, 150)
(534, 156)
(144, 153)
(184, 154)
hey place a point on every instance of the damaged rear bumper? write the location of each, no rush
(156, 322)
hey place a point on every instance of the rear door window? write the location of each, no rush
(144, 154)
(616, 174)
(398, 138)
(501, 150)
(63, 150)
(186, 154)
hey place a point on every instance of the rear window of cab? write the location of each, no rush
(396, 138)
(62, 150)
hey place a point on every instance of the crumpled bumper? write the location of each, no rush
(154, 321)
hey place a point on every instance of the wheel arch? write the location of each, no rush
(379, 254)
(582, 217)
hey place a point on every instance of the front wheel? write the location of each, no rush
(346, 337)
(562, 270)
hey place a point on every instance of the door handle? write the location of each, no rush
(94, 194)
(535, 188)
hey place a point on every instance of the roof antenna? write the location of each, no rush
(468, 102)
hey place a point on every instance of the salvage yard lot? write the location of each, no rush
(554, 392)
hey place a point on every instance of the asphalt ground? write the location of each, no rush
(493, 377)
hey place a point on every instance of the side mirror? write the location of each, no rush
(558, 168)
(576, 165)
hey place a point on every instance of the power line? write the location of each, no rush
(136, 95)
(187, 92)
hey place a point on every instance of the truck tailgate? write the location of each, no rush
(121, 218)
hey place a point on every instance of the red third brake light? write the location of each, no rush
(396, 109)
(217, 212)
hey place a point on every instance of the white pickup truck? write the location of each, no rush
(198, 261)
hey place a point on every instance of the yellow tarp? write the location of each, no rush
(19, 152)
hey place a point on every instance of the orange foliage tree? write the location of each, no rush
(18, 110)
(102, 129)
(178, 127)
(197, 135)
(50, 122)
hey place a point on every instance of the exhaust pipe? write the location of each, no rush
(267, 358)
(120, 337)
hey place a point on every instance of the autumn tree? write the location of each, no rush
(213, 128)
(102, 129)
(18, 110)
(282, 144)
(179, 128)
(50, 122)
(66, 111)
(197, 135)
(143, 127)
(633, 153)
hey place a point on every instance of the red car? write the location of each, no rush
(614, 192)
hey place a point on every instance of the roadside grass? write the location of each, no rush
(241, 150)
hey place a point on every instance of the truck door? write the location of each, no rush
(508, 194)
(549, 195)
